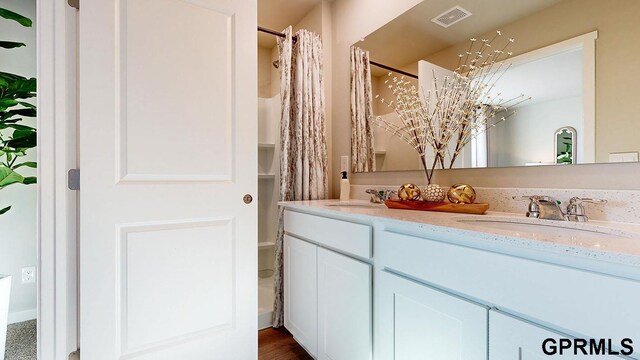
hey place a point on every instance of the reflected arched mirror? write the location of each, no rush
(565, 143)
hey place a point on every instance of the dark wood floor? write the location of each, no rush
(278, 344)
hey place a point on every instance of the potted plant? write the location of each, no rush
(5, 291)
(16, 138)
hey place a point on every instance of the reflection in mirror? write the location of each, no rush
(564, 145)
(574, 85)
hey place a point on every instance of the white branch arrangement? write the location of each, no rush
(457, 108)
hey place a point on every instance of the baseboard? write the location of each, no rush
(264, 320)
(20, 316)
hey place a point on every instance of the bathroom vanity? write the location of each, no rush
(363, 281)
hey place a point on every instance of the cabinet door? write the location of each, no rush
(300, 292)
(417, 322)
(344, 308)
(514, 339)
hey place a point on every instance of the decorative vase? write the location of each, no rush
(461, 194)
(409, 192)
(433, 193)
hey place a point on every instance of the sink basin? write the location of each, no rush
(354, 204)
(535, 228)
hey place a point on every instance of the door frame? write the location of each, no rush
(57, 275)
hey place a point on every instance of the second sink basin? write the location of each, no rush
(534, 227)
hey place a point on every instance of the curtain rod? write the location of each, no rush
(279, 34)
(272, 32)
(393, 69)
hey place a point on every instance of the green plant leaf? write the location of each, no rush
(6, 115)
(25, 140)
(11, 44)
(7, 103)
(10, 15)
(28, 112)
(22, 133)
(8, 177)
(16, 127)
(26, 104)
(2, 211)
(30, 180)
(31, 164)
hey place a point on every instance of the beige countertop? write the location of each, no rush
(596, 245)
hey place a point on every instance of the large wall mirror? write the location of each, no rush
(575, 59)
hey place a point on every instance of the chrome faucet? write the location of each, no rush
(548, 208)
(379, 196)
(543, 207)
(575, 209)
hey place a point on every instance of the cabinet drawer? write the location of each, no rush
(567, 299)
(337, 234)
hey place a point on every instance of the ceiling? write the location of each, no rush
(412, 35)
(278, 14)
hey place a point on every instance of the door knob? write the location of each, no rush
(247, 199)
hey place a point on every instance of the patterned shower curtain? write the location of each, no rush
(303, 146)
(363, 157)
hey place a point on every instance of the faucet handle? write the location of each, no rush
(576, 200)
(533, 210)
(379, 196)
(575, 210)
(527, 197)
(536, 198)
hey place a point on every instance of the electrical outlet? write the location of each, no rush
(344, 163)
(29, 275)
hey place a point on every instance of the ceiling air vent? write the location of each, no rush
(451, 16)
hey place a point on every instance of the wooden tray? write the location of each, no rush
(477, 209)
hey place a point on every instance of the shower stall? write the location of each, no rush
(268, 180)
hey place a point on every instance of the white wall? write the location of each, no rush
(18, 226)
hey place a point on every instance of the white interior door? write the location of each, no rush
(168, 258)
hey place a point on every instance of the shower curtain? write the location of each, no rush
(303, 147)
(363, 156)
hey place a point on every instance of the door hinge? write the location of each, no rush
(74, 4)
(75, 355)
(73, 179)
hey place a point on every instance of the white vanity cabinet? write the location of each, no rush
(328, 286)
(444, 294)
(417, 322)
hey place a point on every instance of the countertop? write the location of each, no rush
(607, 247)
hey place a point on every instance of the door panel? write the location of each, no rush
(168, 260)
(418, 322)
(301, 292)
(344, 307)
(190, 77)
